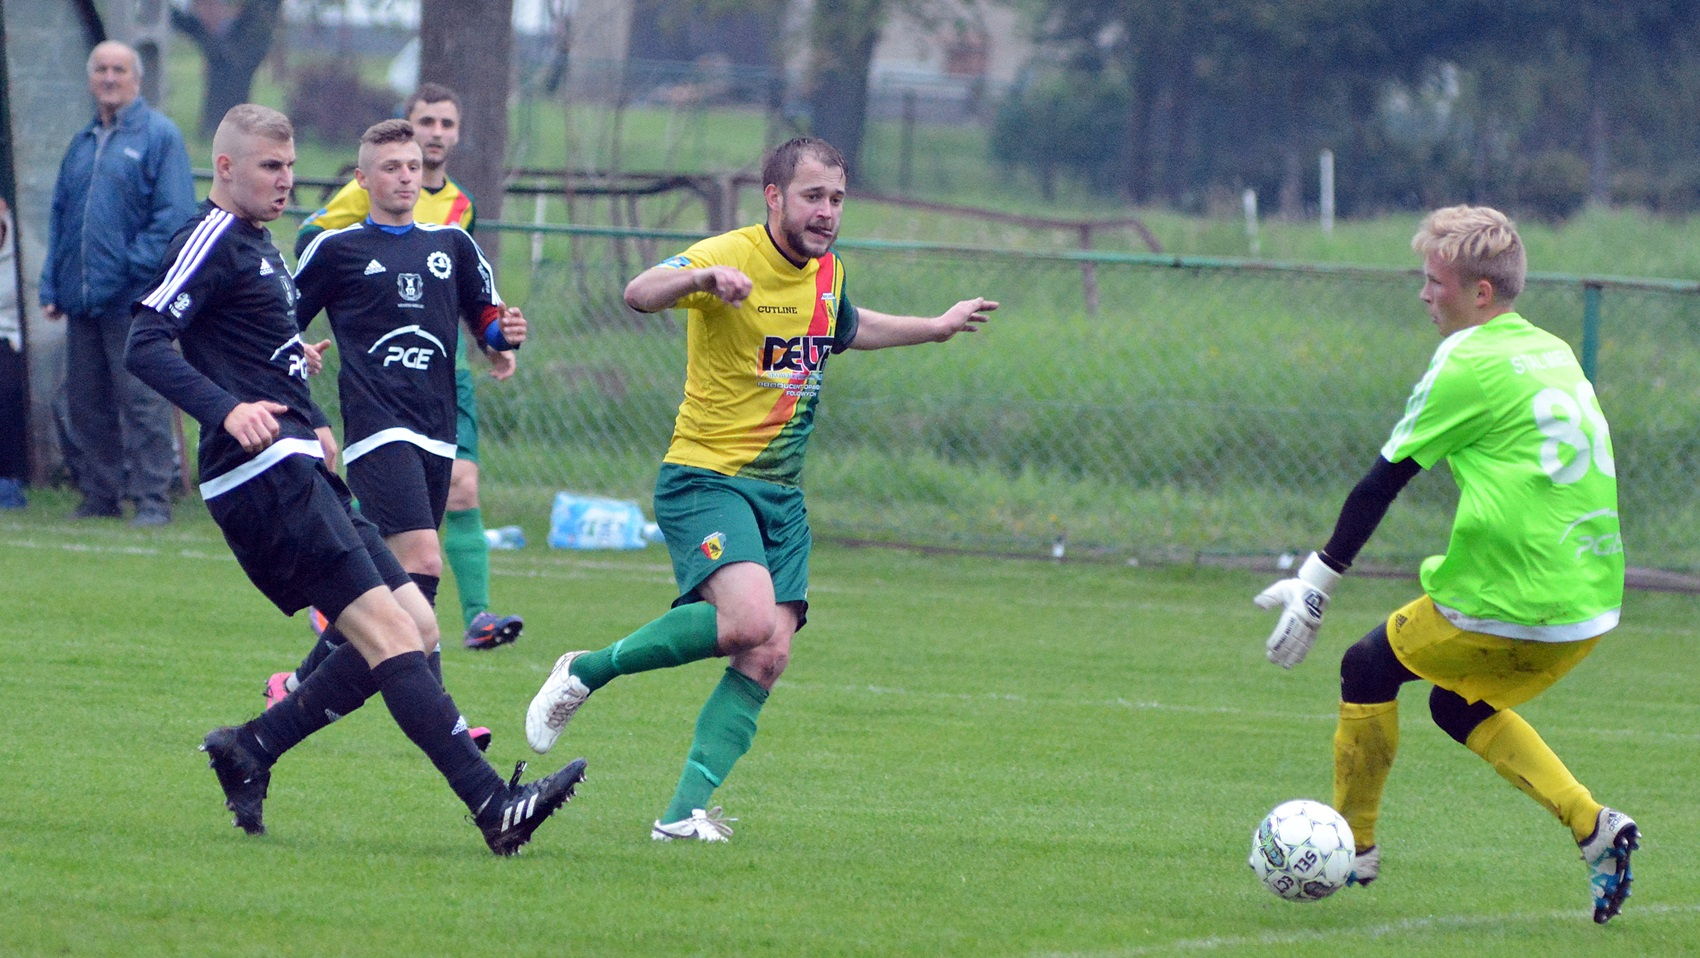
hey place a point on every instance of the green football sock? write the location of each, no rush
(725, 730)
(684, 634)
(469, 559)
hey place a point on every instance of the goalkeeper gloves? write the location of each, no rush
(1302, 601)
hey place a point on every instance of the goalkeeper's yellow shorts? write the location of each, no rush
(1502, 672)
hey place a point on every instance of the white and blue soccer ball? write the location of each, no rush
(1302, 851)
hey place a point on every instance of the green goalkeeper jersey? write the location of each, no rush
(1535, 551)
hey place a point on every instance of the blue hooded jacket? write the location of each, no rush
(115, 207)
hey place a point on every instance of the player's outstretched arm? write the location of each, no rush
(1304, 598)
(660, 287)
(876, 330)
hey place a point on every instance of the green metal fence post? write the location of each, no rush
(1591, 330)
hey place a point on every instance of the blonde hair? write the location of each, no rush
(250, 119)
(1479, 242)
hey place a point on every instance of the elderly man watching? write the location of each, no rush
(123, 189)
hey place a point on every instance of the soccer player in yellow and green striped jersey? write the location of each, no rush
(1532, 576)
(767, 310)
(434, 111)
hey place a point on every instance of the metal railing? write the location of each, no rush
(1202, 406)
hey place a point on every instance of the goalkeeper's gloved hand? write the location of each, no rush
(1302, 601)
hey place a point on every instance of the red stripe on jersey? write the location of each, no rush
(819, 323)
(457, 210)
(823, 287)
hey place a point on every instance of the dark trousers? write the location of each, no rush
(121, 428)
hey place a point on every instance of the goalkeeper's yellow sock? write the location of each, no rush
(1520, 756)
(1365, 740)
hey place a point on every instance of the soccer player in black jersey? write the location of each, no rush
(224, 294)
(395, 291)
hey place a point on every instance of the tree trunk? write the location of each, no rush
(1138, 150)
(842, 35)
(1598, 138)
(232, 55)
(467, 47)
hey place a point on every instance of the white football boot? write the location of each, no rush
(561, 695)
(709, 826)
(1606, 853)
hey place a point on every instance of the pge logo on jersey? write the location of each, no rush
(412, 355)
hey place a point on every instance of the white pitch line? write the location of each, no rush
(1016, 698)
(120, 550)
(1351, 937)
(1151, 705)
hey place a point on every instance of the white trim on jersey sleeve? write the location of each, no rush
(1419, 395)
(189, 258)
(313, 244)
(268, 457)
(435, 447)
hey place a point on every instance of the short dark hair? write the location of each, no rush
(781, 164)
(382, 133)
(429, 93)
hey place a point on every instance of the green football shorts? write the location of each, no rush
(466, 412)
(711, 520)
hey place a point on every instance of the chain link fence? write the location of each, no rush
(1135, 408)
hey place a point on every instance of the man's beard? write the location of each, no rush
(801, 240)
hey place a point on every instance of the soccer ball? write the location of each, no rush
(1302, 850)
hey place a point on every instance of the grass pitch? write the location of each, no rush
(967, 757)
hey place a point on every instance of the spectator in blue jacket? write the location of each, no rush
(124, 188)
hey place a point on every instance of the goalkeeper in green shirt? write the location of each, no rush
(1532, 575)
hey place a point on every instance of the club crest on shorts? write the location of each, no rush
(714, 546)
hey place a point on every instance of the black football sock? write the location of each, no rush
(329, 641)
(428, 715)
(341, 684)
(428, 585)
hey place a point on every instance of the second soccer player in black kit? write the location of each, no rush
(224, 293)
(396, 291)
